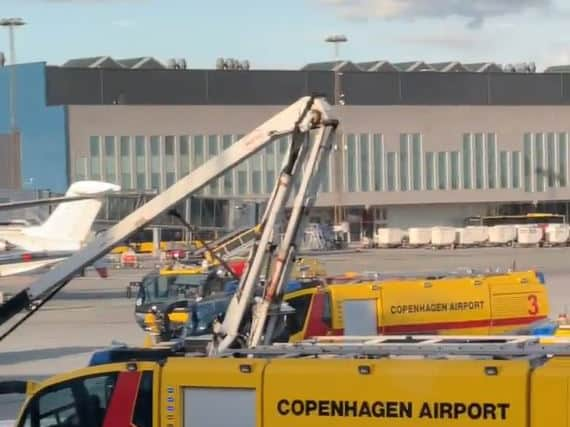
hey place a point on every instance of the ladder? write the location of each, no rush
(410, 345)
(238, 244)
(313, 238)
(226, 245)
(432, 275)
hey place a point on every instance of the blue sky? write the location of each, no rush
(287, 34)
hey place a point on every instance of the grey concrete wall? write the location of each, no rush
(442, 128)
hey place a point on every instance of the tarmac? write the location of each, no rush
(90, 313)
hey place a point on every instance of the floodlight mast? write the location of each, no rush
(336, 40)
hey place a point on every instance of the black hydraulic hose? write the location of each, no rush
(298, 137)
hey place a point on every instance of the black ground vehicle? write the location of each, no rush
(156, 290)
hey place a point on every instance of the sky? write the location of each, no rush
(288, 34)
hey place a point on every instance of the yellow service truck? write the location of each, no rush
(510, 382)
(476, 305)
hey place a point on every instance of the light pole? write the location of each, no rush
(336, 40)
(10, 23)
(338, 155)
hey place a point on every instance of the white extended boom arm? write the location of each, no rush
(298, 119)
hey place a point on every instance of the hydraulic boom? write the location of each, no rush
(272, 258)
(299, 119)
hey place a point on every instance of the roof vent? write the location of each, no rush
(232, 64)
(509, 68)
(525, 67)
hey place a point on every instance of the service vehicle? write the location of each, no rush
(539, 218)
(180, 317)
(158, 289)
(408, 381)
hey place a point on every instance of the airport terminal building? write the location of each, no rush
(419, 144)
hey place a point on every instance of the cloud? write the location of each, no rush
(475, 11)
(454, 42)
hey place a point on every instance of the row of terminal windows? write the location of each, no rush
(156, 162)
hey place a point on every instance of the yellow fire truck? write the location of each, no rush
(494, 381)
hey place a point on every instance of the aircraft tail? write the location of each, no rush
(72, 221)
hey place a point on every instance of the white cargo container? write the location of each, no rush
(557, 234)
(529, 235)
(464, 237)
(443, 236)
(472, 235)
(389, 237)
(502, 234)
(419, 236)
(480, 232)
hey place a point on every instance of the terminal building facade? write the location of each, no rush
(418, 145)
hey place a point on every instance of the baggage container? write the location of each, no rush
(502, 234)
(529, 235)
(389, 237)
(472, 235)
(481, 233)
(419, 236)
(557, 234)
(443, 236)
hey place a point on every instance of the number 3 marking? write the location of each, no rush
(533, 301)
